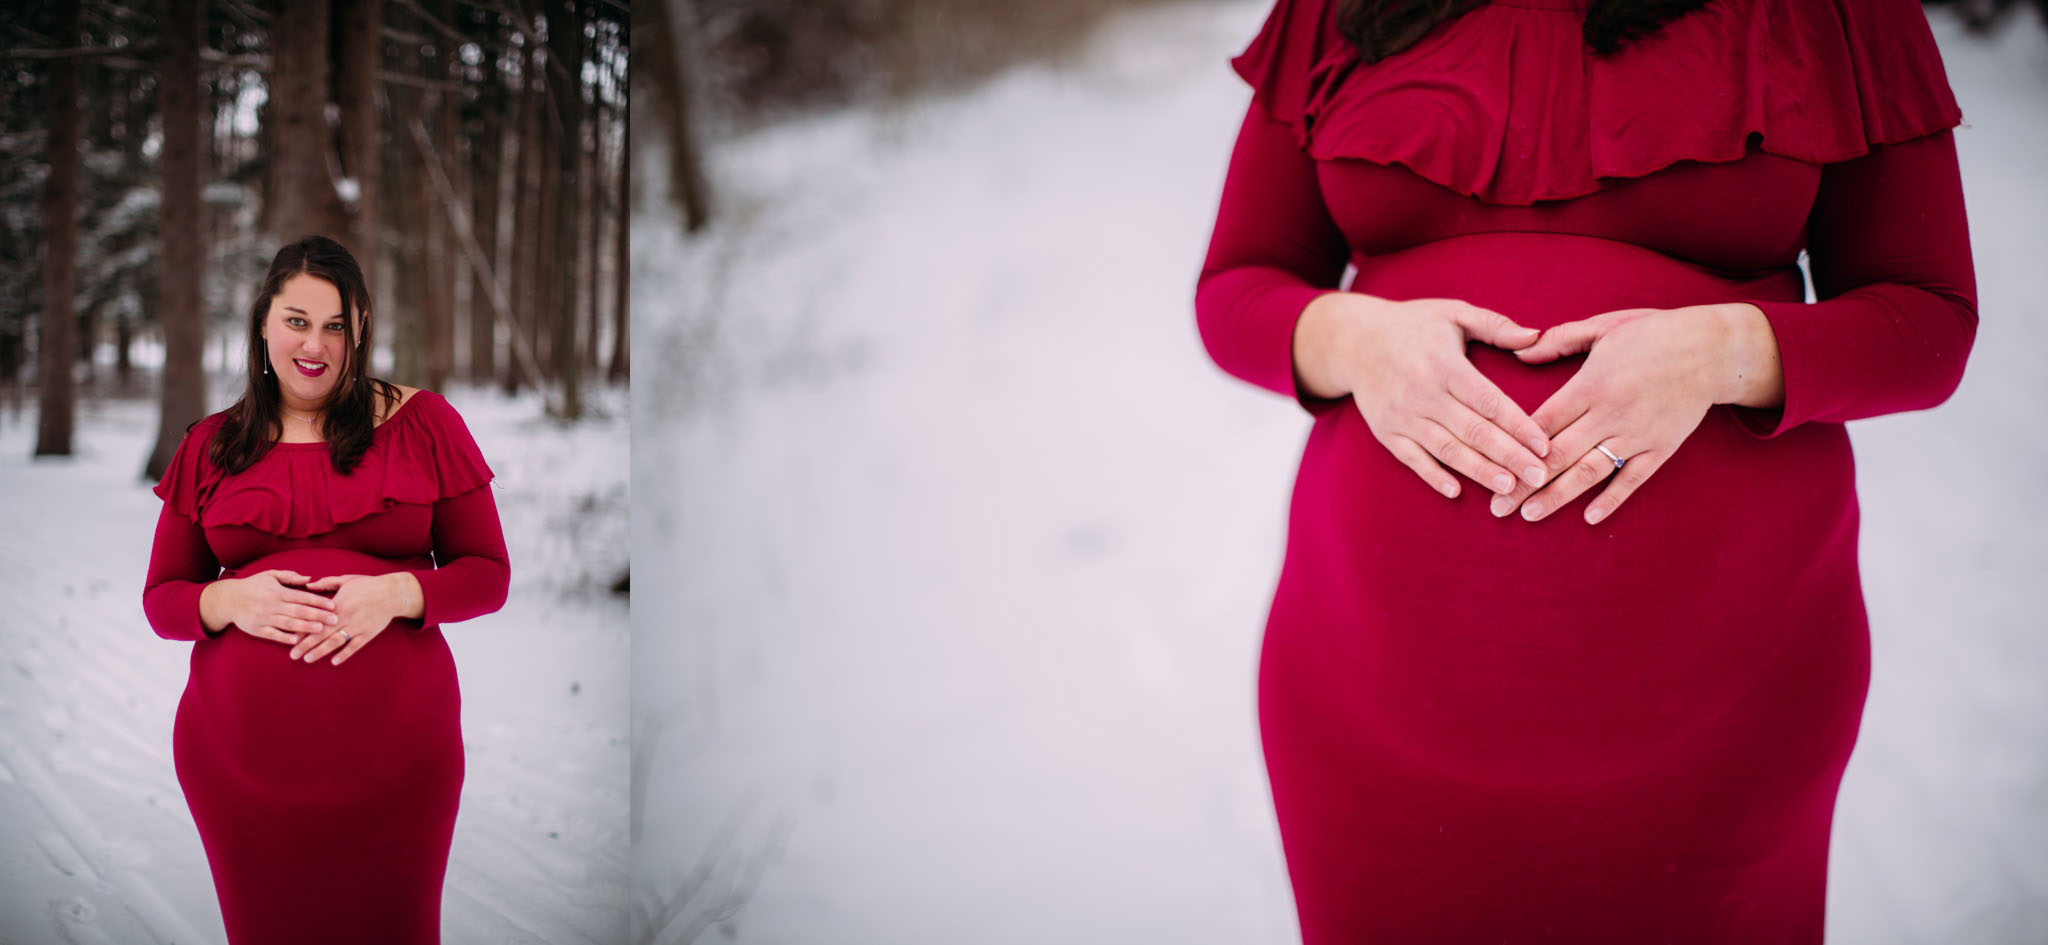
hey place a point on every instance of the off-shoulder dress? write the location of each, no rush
(325, 795)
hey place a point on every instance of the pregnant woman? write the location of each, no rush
(314, 537)
(1569, 644)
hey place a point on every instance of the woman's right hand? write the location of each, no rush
(269, 605)
(1404, 364)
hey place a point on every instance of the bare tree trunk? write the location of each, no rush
(525, 213)
(302, 191)
(181, 310)
(360, 65)
(540, 298)
(439, 113)
(621, 245)
(124, 338)
(655, 43)
(541, 320)
(489, 160)
(409, 221)
(565, 48)
(592, 239)
(58, 396)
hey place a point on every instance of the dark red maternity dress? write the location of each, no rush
(325, 795)
(1487, 730)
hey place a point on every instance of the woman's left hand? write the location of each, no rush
(366, 605)
(1649, 378)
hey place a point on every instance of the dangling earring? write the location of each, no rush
(266, 367)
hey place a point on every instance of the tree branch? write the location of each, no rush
(82, 52)
(501, 307)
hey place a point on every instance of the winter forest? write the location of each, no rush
(471, 155)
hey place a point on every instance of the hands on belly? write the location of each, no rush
(364, 605)
(1649, 378)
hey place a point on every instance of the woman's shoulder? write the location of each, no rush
(388, 407)
(422, 431)
(419, 411)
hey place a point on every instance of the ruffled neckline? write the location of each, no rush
(420, 454)
(1506, 104)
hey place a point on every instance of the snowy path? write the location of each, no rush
(971, 545)
(96, 844)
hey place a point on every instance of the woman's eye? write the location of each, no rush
(334, 327)
(295, 322)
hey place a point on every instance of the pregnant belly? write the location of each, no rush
(1724, 590)
(269, 719)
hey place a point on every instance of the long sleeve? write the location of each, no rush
(180, 567)
(1273, 251)
(1897, 310)
(472, 572)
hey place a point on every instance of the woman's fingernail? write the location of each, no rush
(1503, 483)
(1501, 505)
(332, 619)
(1449, 489)
(1539, 447)
(1533, 476)
(1595, 514)
(1532, 511)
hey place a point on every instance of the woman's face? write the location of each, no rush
(304, 339)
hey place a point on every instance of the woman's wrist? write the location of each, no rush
(407, 598)
(1749, 374)
(213, 605)
(1320, 336)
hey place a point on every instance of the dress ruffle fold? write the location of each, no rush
(1508, 105)
(422, 454)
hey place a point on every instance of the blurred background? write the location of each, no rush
(157, 152)
(967, 546)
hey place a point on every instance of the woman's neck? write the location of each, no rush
(302, 423)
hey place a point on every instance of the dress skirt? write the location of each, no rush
(360, 762)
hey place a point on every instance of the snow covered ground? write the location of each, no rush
(96, 844)
(963, 546)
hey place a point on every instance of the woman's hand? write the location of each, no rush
(1405, 365)
(366, 605)
(1649, 379)
(267, 605)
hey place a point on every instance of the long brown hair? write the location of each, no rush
(255, 421)
(1381, 28)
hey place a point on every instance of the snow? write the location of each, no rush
(96, 843)
(965, 545)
